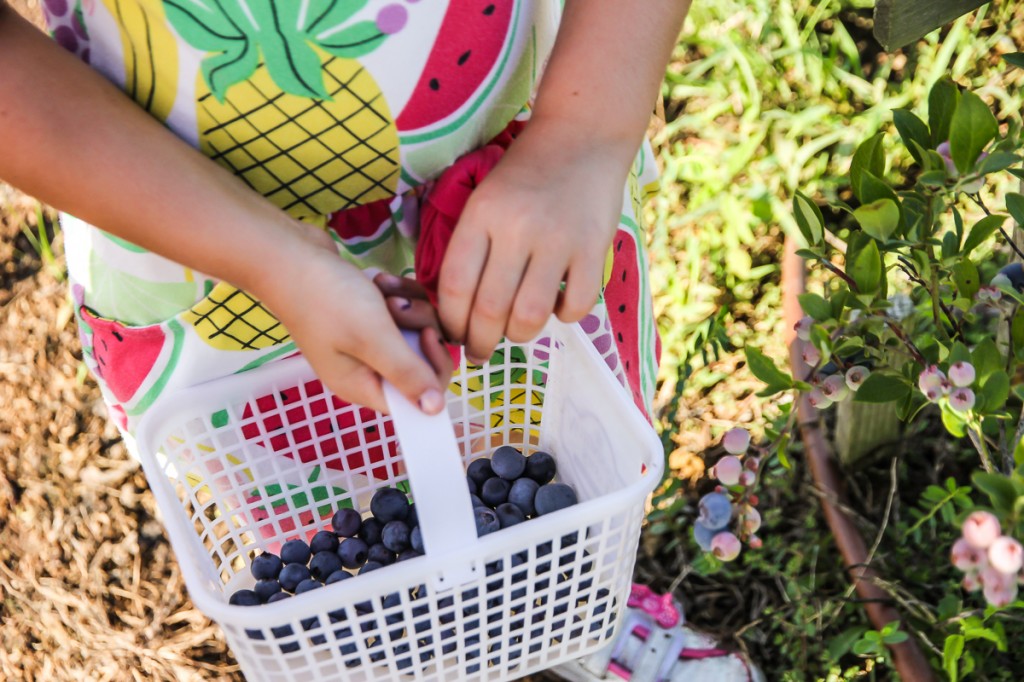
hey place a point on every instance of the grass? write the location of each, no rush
(764, 98)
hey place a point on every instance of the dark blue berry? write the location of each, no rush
(480, 470)
(408, 554)
(389, 504)
(522, 494)
(370, 566)
(307, 585)
(412, 519)
(352, 552)
(265, 589)
(324, 564)
(380, 554)
(370, 532)
(508, 463)
(540, 466)
(323, 541)
(416, 539)
(293, 574)
(486, 521)
(553, 497)
(266, 566)
(346, 522)
(495, 491)
(477, 502)
(337, 577)
(295, 552)
(509, 514)
(474, 489)
(395, 536)
(278, 597)
(244, 598)
(1015, 273)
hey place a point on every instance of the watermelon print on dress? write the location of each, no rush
(124, 356)
(311, 428)
(622, 297)
(465, 52)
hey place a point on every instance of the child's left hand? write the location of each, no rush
(546, 214)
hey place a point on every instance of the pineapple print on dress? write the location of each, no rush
(282, 102)
(230, 319)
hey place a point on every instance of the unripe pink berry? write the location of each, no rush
(1000, 596)
(965, 557)
(1005, 554)
(855, 376)
(803, 328)
(810, 354)
(719, 488)
(944, 151)
(818, 399)
(752, 463)
(961, 373)
(961, 399)
(990, 293)
(991, 577)
(755, 542)
(753, 499)
(834, 387)
(725, 546)
(728, 470)
(980, 529)
(931, 378)
(747, 478)
(971, 582)
(736, 441)
(751, 520)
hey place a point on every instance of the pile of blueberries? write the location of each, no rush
(506, 489)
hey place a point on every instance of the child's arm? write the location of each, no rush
(72, 139)
(548, 211)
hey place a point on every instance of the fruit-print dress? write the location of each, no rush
(337, 111)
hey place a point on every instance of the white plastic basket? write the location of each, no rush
(225, 463)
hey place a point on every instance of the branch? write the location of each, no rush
(1009, 240)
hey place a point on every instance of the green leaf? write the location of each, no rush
(942, 102)
(808, 218)
(222, 70)
(997, 161)
(869, 157)
(996, 390)
(965, 276)
(912, 130)
(954, 422)
(841, 644)
(354, 41)
(959, 353)
(1015, 205)
(972, 128)
(764, 369)
(815, 306)
(866, 270)
(882, 387)
(873, 188)
(952, 649)
(879, 218)
(933, 178)
(838, 300)
(998, 488)
(1015, 59)
(982, 230)
(950, 245)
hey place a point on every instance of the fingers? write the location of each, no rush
(492, 303)
(406, 287)
(536, 298)
(437, 354)
(460, 272)
(582, 285)
(414, 314)
(352, 381)
(414, 377)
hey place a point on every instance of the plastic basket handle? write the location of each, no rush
(434, 464)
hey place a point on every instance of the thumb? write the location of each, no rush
(397, 362)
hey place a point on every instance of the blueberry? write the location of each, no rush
(540, 466)
(337, 577)
(552, 497)
(370, 532)
(370, 566)
(346, 522)
(486, 521)
(508, 463)
(509, 515)
(389, 504)
(352, 552)
(380, 554)
(323, 541)
(278, 597)
(324, 564)
(495, 491)
(703, 535)
(307, 585)
(412, 519)
(1015, 273)
(295, 552)
(522, 494)
(266, 566)
(395, 536)
(474, 489)
(480, 470)
(715, 511)
(477, 502)
(265, 589)
(292, 575)
(408, 554)
(244, 598)
(416, 539)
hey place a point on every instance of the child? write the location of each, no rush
(339, 114)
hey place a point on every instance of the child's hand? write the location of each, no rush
(349, 333)
(545, 215)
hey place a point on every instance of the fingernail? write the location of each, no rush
(475, 361)
(402, 303)
(431, 401)
(388, 278)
